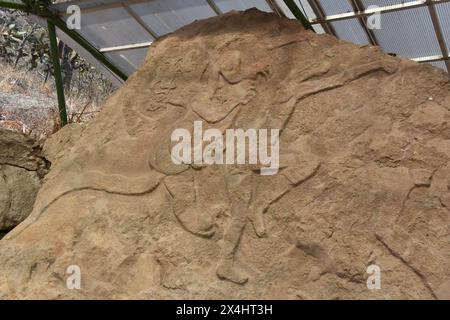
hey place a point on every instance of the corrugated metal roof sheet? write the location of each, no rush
(228, 5)
(408, 33)
(169, 15)
(350, 30)
(380, 3)
(114, 27)
(439, 64)
(331, 7)
(128, 60)
(443, 12)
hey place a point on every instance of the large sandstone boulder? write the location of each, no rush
(364, 155)
(21, 171)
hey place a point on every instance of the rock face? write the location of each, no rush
(363, 180)
(21, 170)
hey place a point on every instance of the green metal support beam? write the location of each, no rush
(298, 14)
(61, 24)
(57, 72)
(45, 12)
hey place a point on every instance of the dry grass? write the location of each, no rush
(17, 80)
(32, 101)
(27, 90)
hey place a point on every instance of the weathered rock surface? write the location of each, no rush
(21, 171)
(365, 150)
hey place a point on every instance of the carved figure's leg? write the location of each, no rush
(239, 190)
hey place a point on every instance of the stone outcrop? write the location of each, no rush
(21, 171)
(363, 180)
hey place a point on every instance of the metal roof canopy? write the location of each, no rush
(413, 29)
(123, 29)
(419, 30)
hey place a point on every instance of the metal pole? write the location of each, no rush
(358, 6)
(390, 8)
(214, 7)
(439, 34)
(139, 20)
(320, 14)
(86, 45)
(57, 72)
(298, 14)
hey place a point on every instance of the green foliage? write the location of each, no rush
(36, 5)
(21, 41)
(26, 46)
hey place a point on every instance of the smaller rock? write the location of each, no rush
(21, 170)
